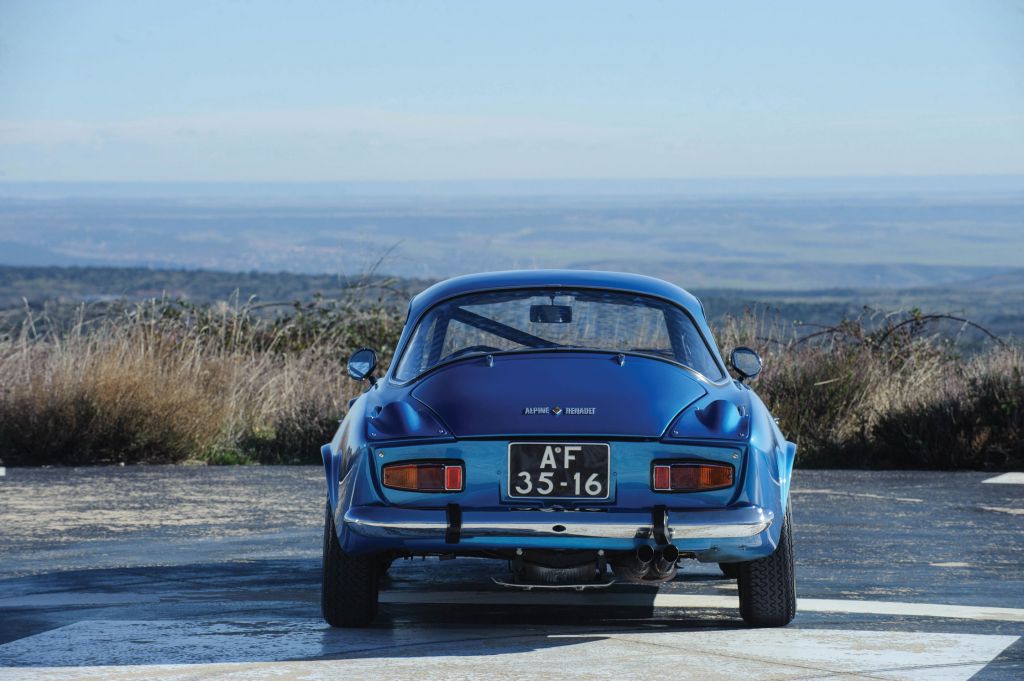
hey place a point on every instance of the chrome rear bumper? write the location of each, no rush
(394, 522)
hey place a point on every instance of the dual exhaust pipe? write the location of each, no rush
(649, 565)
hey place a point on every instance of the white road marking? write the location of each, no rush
(1003, 509)
(1007, 479)
(951, 564)
(860, 495)
(296, 648)
(696, 601)
(65, 599)
(619, 599)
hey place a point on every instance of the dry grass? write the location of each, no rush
(168, 382)
(889, 392)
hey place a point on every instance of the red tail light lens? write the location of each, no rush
(691, 477)
(662, 478)
(452, 478)
(424, 477)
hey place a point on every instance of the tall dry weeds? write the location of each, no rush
(888, 391)
(169, 382)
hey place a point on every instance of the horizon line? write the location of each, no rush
(683, 187)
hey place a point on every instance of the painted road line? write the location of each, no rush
(1003, 509)
(859, 495)
(695, 601)
(76, 599)
(297, 648)
(1007, 479)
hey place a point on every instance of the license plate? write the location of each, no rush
(558, 470)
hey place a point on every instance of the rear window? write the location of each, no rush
(555, 319)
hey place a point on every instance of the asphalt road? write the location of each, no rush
(194, 572)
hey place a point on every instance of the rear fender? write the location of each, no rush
(786, 456)
(770, 467)
(337, 455)
(332, 469)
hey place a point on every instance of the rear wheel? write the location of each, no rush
(767, 585)
(349, 594)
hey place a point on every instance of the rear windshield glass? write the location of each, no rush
(550, 319)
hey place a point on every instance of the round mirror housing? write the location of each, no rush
(746, 362)
(362, 363)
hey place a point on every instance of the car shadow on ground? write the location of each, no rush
(267, 611)
(263, 611)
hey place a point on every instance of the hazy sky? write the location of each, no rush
(529, 90)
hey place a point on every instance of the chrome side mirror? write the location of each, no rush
(361, 364)
(746, 362)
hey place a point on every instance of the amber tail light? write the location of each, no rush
(424, 477)
(691, 477)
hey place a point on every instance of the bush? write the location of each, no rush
(889, 392)
(972, 420)
(168, 381)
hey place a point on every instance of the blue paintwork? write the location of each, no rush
(480, 400)
(470, 409)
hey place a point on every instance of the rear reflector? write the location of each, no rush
(691, 477)
(663, 477)
(424, 477)
(452, 478)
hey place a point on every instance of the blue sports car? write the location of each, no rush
(580, 427)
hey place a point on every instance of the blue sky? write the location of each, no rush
(269, 91)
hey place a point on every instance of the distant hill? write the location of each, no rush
(71, 285)
(772, 241)
(996, 302)
(1011, 280)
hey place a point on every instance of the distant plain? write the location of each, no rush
(812, 256)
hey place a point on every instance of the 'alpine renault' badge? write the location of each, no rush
(558, 411)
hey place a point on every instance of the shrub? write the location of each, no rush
(889, 392)
(974, 418)
(168, 381)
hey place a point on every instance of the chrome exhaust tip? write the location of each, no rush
(636, 567)
(663, 568)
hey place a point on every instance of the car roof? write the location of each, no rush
(512, 279)
(618, 281)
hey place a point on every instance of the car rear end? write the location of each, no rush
(590, 496)
(563, 429)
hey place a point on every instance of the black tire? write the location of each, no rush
(350, 583)
(767, 585)
(730, 570)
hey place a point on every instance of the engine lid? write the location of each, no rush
(582, 394)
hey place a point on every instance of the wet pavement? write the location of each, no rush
(195, 572)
